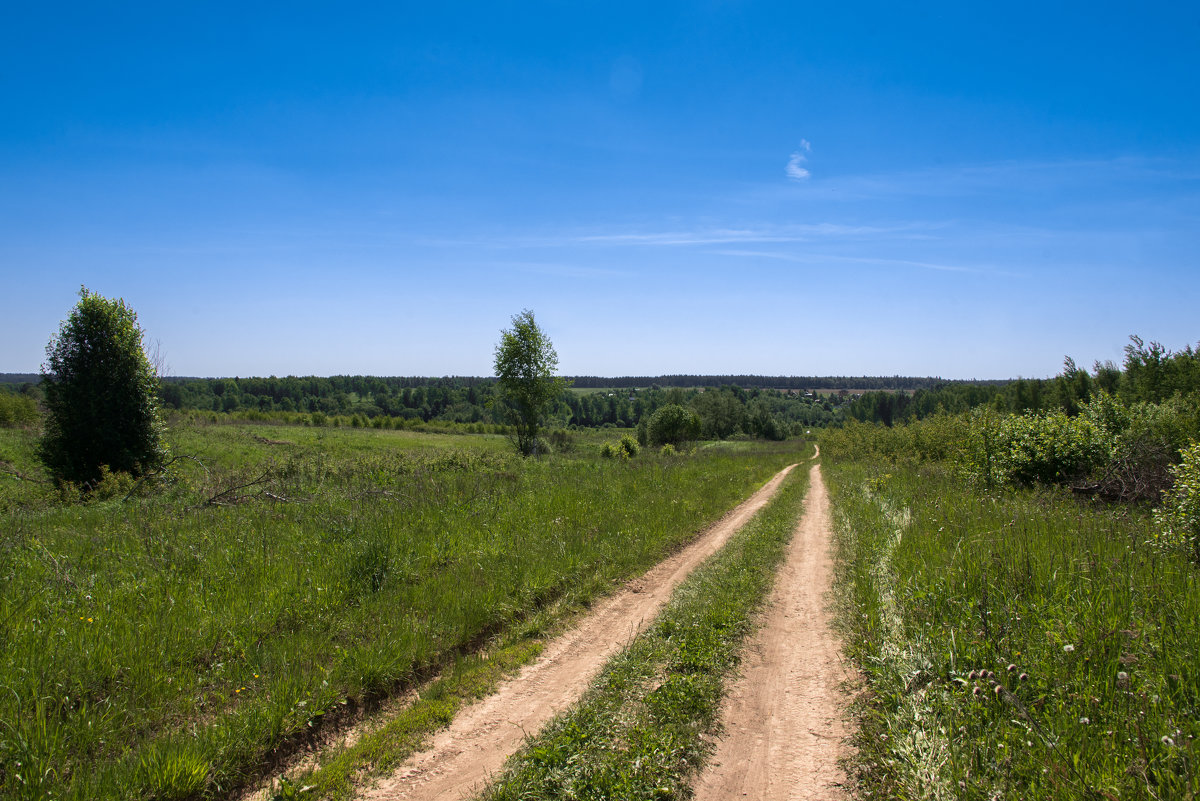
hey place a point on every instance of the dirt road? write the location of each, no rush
(785, 718)
(463, 756)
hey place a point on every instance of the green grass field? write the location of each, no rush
(1017, 644)
(174, 644)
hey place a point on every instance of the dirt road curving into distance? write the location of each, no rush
(785, 718)
(463, 756)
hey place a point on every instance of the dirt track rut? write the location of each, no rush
(785, 718)
(463, 756)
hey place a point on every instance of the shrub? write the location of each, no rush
(667, 450)
(626, 448)
(1049, 449)
(1143, 442)
(17, 410)
(1178, 519)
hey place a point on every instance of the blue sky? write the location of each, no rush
(702, 187)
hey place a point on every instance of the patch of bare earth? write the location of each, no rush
(462, 757)
(786, 718)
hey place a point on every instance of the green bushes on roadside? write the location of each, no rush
(1178, 519)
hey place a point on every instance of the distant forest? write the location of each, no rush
(751, 405)
(770, 407)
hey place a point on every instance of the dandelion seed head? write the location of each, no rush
(1068, 648)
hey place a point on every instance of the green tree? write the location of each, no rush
(525, 365)
(673, 425)
(100, 394)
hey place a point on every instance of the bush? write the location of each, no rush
(17, 410)
(1143, 441)
(673, 424)
(1178, 519)
(1049, 449)
(101, 395)
(667, 450)
(627, 448)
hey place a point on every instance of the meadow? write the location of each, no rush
(177, 638)
(1016, 642)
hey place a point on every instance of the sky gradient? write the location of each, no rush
(717, 188)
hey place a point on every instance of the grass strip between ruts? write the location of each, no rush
(648, 722)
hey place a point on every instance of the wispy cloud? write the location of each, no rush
(823, 258)
(795, 169)
(718, 236)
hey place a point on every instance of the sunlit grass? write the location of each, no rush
(287, 574)
(1018, 645)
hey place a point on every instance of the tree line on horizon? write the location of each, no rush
(1150, 373)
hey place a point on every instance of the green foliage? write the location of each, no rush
(17, 410)
(1178, 519)
(100, 395)
(673, 424)
(722, 412)
(1143, 441)
(525, 365)
(626, 448)
(667, 450)
(1048, 448)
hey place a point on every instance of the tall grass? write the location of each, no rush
(167, 646)
(1018, 644)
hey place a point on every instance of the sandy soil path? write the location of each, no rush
(463, 756)
(785, 718)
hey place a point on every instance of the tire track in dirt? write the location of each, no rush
(785, 719)
(462, 757)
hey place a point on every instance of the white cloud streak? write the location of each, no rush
(821, 258)
(795, 166)
(721, 236)
(794, 170)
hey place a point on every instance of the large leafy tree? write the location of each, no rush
(673, 425)
(100, 394)
(525, 365)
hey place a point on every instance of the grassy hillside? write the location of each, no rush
(168, 645)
